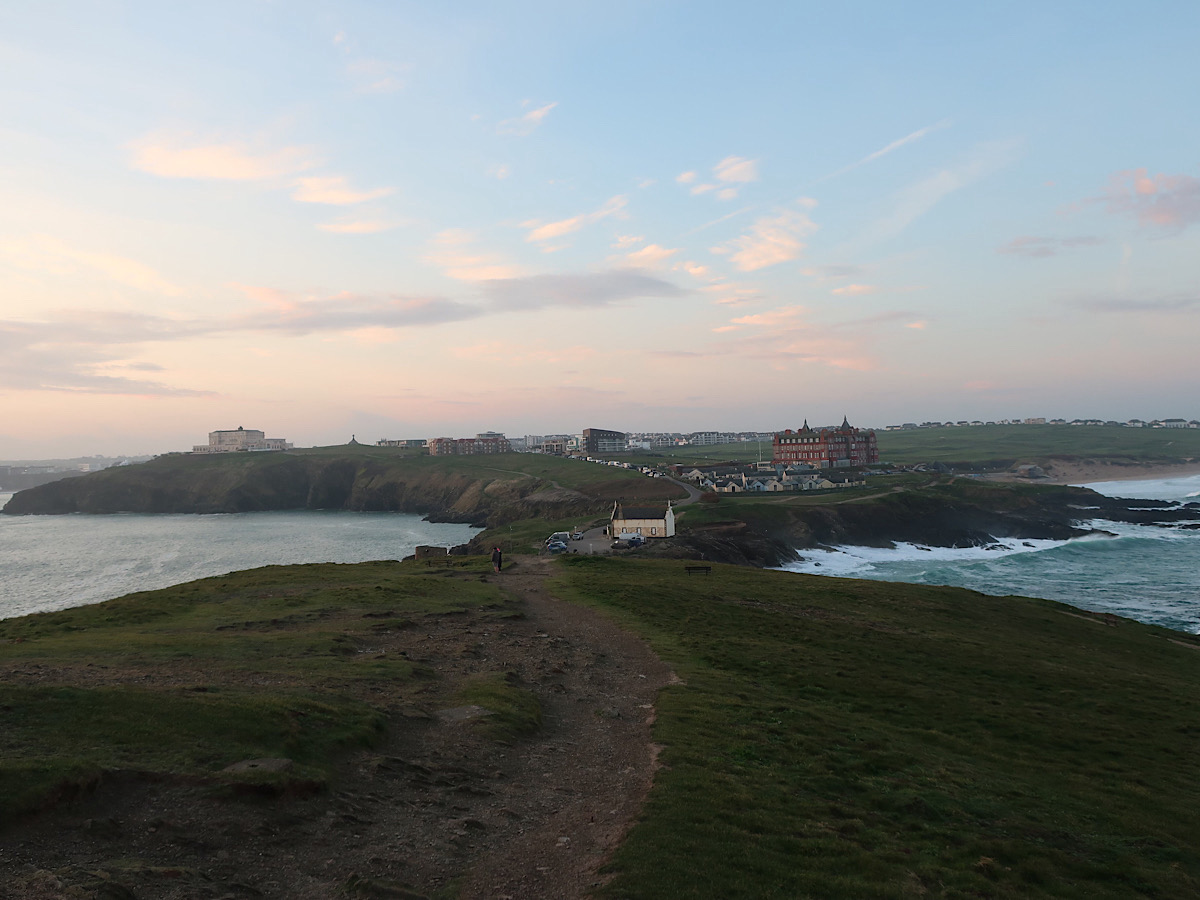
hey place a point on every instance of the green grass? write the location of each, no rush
(977, 444)
(1030, 443)
(836, 738)
(516, 710)
(272, 662)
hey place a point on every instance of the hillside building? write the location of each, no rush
(600, 440)
(238, 440)
(648, 521)
(826, 447)
(491, 442)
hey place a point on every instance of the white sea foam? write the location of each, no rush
(1146, 572)
(1182, 489)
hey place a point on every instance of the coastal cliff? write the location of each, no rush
(950, 513)
(478, 491)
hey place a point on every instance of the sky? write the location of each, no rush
(410, 220)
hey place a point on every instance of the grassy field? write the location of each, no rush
(836, 738)
(1032, 442)
(978, 444)
(256, 664)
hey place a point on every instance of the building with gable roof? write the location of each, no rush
(826, 447)
(648, 521)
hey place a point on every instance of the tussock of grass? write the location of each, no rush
(862, 739)
(517, 710)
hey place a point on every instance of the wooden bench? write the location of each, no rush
(697, 570)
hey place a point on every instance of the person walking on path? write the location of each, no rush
(497, 559)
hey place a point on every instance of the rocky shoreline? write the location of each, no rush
(952, 514)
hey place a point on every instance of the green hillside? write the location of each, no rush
(355, 477)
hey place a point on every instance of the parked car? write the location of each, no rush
(556, 547)
(577, 536)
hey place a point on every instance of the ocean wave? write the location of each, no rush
(1182, 488)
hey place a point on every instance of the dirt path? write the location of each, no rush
(441, 808)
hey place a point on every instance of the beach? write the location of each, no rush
(1087, 471)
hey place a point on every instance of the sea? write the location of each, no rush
(56, 562)
(1145, 572)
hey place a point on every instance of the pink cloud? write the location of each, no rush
(333, 190)
(359, 226)
(771, 240)
(650, 255)
(855, 290)
(452, 251)
(527, 123)
(1168, 202)
(544, 232)
(180, 157)
(773, 317)
(736, 169)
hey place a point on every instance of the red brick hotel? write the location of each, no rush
(828, 447)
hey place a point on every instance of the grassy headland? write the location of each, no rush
(830, 737)
(503, 487)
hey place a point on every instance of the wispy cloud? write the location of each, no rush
(736, 169)
(772, 317)
(539, 231)
(650, 256)
(73, 350)
(182, 156)
(43, 253)
(334, 190)
(358, 226)
(919, 198)
(855, 290)
(832, 273)
(1169, 203)
(525, 123)
(587, 291)
(1038, 247)
(727, 175)
(770, 241)
(453, 250)
(890, 148)
(1171, 304)
(375, 76)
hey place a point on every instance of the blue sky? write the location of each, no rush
(398, 221)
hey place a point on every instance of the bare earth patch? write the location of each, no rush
(440, 810)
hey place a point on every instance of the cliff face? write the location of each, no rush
(253, 482)
(953, 514)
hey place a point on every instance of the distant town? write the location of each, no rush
(819, 447)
